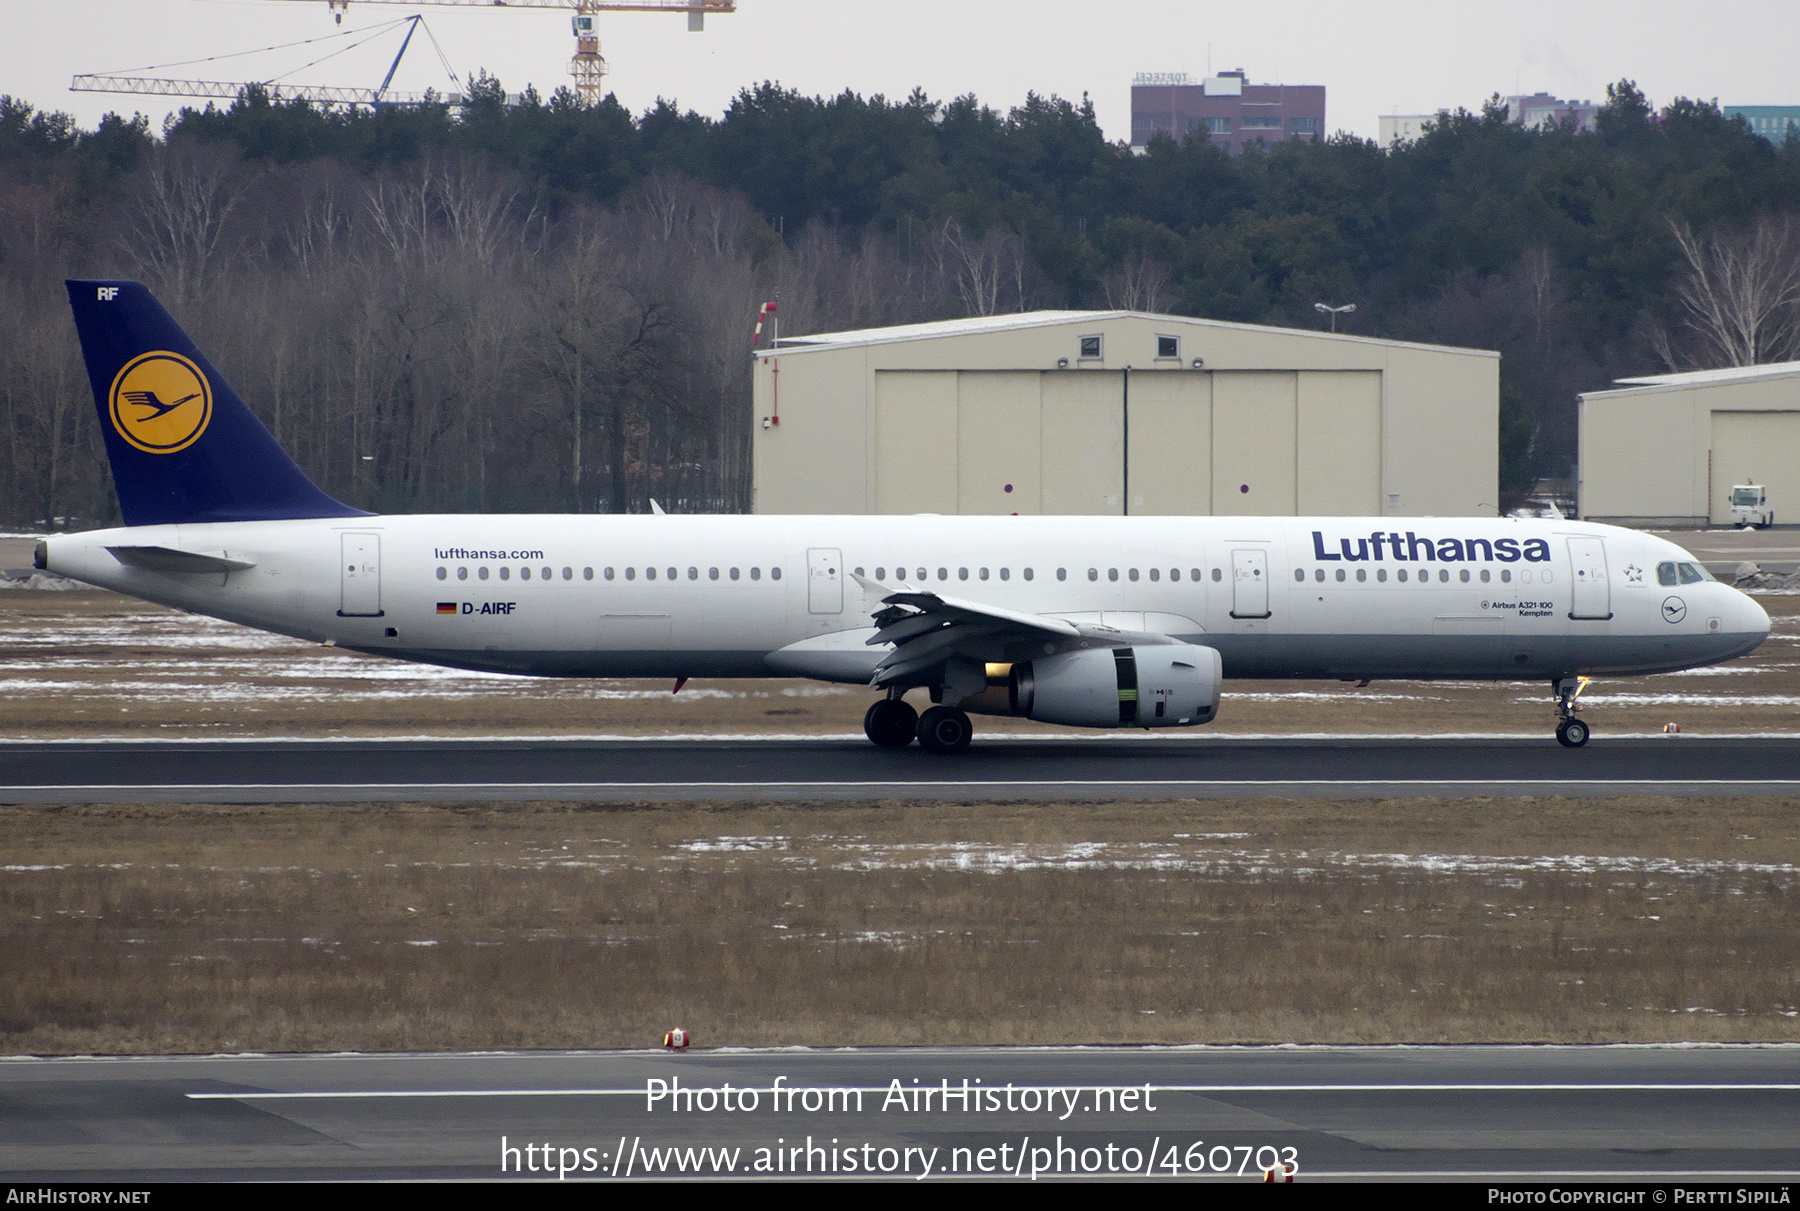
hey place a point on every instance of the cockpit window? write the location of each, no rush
(1665, 573)
(1693, 574)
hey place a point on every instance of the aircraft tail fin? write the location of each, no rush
(183, 446)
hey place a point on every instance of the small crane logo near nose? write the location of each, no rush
(1673, 609)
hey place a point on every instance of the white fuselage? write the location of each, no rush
(737, 596)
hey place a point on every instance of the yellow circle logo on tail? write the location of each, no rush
(161, 402)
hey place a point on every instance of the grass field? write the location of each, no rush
(94, 664)
(184, 929)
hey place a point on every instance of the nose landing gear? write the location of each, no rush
(1570, 731)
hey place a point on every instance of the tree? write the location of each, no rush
(1739, 294)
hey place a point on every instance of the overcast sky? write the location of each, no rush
(1374, 57)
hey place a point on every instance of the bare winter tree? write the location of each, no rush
(1140, 283)
(183, 197)
(1739, 295)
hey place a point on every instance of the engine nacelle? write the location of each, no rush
(1164, 685)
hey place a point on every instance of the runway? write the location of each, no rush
(791, 769)
(1609, 1113)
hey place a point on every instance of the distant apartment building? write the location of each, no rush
(1404, 128)
(1232, 111)
(1541, 111)
(1772, 122)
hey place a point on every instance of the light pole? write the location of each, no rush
(1334, 312)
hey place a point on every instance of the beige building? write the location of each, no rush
(1112, 412)
(1666, 450)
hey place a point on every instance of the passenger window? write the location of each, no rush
(1299, 575)
(774, 573)
(1525, 576)
(1401, 575)
(506, 573)
(1133, 575)
(921, 575)
(693, 573)
(880, 573)
(1463, 575)
(984, 573)
(1689, 574)
(462, 573)
(734, 573)
(1218, 575)
(588, 573)
(1112, 574)
(1003, 573)
(1444, 575)
(1362, 574)
(962, 573)
(1548, 576)
(943, 573)
(546, 573)
(1665, 573)
(649, 574)
(1093, 573)
(1006, 573)
(569, 573)
(443, 573)
(672, 573)
(1062, 573)
(713, 573)
(524, 573)
(1174, 573)
(1340, 575)
(1155, 574)
(755, 573)
(630, 573)
(1505, 575)
(481, 573)
(1485, 575)
(1381, 575)
(1319, 574)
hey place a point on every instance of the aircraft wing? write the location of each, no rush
(928, 630)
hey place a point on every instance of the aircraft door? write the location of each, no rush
(1249, 584)
(361, 564)
(824, 581)
(1587, 567)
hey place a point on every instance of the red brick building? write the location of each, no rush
(1232, 111)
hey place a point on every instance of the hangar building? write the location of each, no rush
(1665, 450)
(1113, 412)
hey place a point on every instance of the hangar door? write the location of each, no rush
(1756, 447)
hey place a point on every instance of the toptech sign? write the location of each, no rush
(1411, 548)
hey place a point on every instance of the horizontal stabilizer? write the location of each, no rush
(168, 559)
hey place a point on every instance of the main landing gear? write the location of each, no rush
(1570, 731)
(892, 723)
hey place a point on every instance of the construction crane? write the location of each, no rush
(587, 66)
(325, 95)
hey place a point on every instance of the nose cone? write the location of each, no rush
(1747, 618)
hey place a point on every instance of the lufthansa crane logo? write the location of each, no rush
(161, 402)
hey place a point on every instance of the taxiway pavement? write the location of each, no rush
(1626, 1113)
(773, 769)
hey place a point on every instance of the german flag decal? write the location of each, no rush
(446, 607)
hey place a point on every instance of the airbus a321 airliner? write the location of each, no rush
(1105, 622)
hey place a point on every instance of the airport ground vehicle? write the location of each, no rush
(1750, 506)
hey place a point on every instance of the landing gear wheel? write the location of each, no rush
(944, 729)
(891, 723)
(1571, 733)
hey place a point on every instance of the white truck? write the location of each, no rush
(1750, 506)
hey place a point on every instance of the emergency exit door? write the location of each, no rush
(361, 572)
(1249, 584)
(824, 581)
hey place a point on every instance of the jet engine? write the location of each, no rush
(1163, 685)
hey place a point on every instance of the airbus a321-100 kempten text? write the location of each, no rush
(1105, 622)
